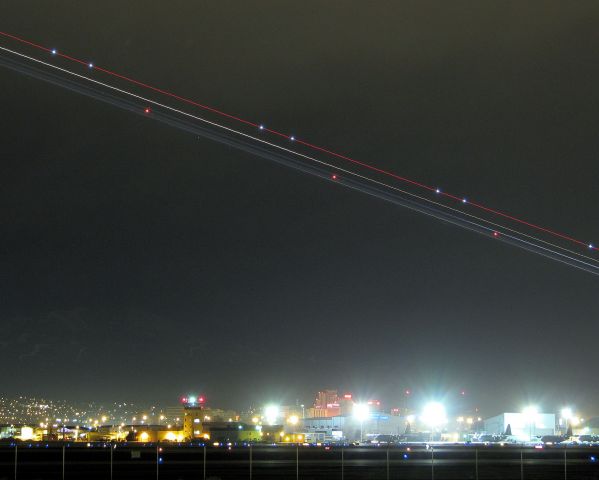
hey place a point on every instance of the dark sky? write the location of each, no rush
(141, 263)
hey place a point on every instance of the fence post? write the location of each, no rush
(565, 463)
(432, 463)
(111, 449)
(476, 464)
(63, 457)
(250, 461)
(204, 463)
(16, 463)
(297, 462)
(521, 465)
(387, 462)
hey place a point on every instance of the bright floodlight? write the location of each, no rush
(530, 414)
(293, 419)
(566, 413)
(433, 414)
(361, 411)
(271, 412)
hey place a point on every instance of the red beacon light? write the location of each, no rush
(147, 110)
(496, 234)
(334, 177)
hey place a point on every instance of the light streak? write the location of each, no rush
(307, 144)
(353, 180)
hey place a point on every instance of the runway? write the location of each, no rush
(43, 461)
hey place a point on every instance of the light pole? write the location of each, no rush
(530, 416)
(434, 416)
(361, 412)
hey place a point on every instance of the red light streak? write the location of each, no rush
(461, 200)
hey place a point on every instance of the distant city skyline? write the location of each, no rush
(141, 262)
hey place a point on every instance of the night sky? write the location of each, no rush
(141, 263)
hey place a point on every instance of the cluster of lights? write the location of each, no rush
(193, 399)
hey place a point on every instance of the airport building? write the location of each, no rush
(348, 428)
(521, 425)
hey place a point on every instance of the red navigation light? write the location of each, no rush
(334, 177)
(184, 400)
(147, 110)
(201, 400)
(495, 234)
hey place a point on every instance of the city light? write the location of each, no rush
(293, 420)
(433, 414)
